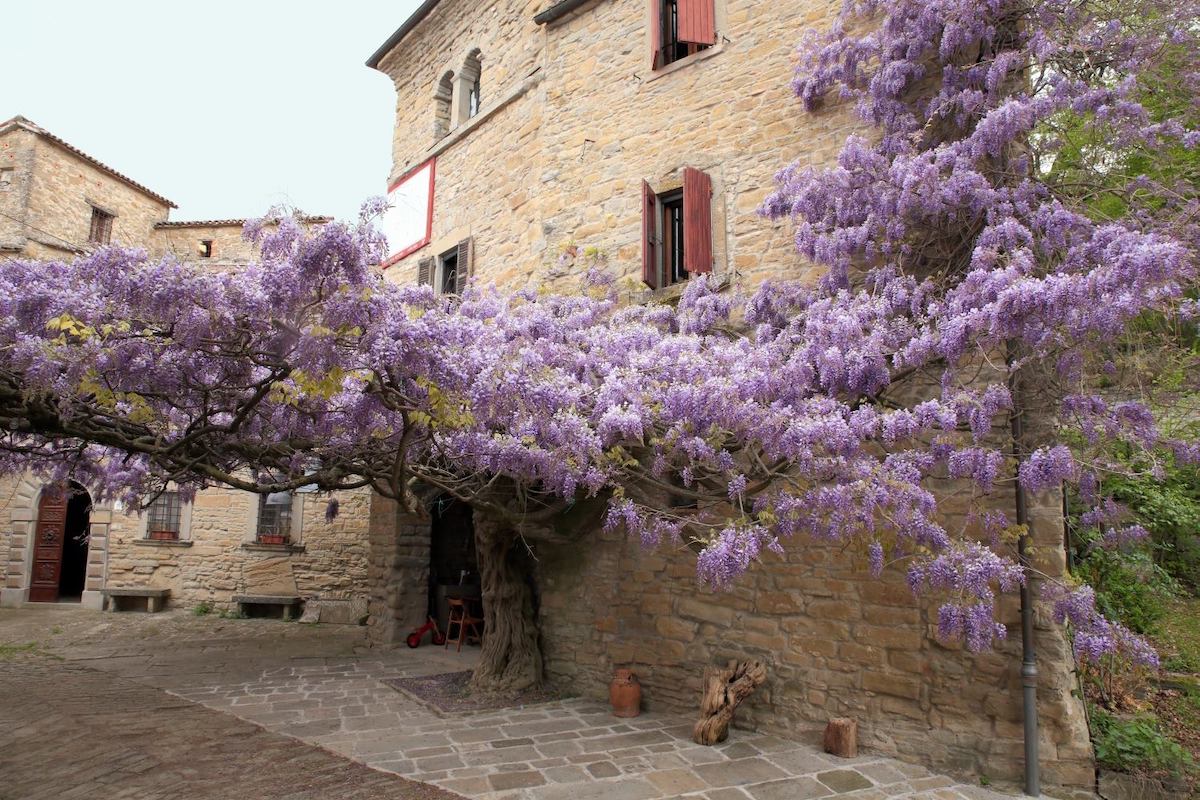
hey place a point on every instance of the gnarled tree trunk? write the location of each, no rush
(724, 690)
(511, 660)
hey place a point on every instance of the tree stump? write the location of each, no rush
(724, 690)
(841, 737)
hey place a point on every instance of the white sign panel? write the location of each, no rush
(408, 222)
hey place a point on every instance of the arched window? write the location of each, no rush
(471, 73)
(443, 98)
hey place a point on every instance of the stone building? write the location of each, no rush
(58, 202)
(529, 130)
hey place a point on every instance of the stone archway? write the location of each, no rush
(22, 505)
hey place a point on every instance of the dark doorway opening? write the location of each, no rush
(453, 566)
(75, 545)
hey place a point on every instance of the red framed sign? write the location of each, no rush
(408, 222)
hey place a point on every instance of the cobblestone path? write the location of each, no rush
(67, 732)
(319, 685)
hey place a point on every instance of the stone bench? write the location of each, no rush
(148, 600)
(279, 606)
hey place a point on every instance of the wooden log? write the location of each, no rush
(841, 737)
(724, 690)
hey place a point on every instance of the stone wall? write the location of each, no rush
(183, 242)
(836, 641)
(574, 119)
(64, 189)
(16, 153)
(218, 558)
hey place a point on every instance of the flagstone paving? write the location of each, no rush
(318, 685)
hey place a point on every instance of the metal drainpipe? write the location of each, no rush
(1029, 669)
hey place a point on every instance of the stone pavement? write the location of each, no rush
(318, 685)
(67, 732)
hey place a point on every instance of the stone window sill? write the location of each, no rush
(684, 63)
(162, 543)
(258, 547)
(672, 294)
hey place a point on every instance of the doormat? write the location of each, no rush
(447, 693)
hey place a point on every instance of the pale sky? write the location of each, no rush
(226, 108)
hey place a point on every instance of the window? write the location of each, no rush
(101, 231)
(680, 28)
(6, 177)
(677, 231)
(471, 72)
(473, 98)
(206, 248)
(449, 272)
(274, 518)
(163, 518)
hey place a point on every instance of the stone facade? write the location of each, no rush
(573, 120)
(48, 190)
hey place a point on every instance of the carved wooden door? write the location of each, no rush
(48, 547)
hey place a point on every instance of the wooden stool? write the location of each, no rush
(462, 616)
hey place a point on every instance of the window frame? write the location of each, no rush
(101, 229)
(692, 205)
(206, 248)
(183, 534)
(294, 527)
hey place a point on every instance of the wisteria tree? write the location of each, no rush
(972, 327)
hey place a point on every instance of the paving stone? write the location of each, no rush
(789, 789)
(603, 769)
(844, 780)
(676, 781)
(511, 742)
(515, 780)
(740, 772)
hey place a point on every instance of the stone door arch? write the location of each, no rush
(21, 526)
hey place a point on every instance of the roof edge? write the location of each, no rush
(558, 11)
(230, 223)
(413, 20)
(29, 125)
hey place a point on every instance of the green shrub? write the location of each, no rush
(1136, 745)
(1130, 587)
(202, 609)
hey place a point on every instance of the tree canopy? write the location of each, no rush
(967, 283)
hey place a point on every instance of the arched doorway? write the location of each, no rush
(60, 545)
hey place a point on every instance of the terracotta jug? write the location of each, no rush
(625, 694)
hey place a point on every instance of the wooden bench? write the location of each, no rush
(269, 605)
(148, 600)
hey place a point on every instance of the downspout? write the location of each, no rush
(1029, 668)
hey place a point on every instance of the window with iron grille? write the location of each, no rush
(101, 231)
(163, 517)
(274, 519)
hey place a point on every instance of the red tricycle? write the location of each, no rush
(414, 638)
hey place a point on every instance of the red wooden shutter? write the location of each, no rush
(425, 271)
(649, 236)
(465, 267)
(697, 21)
(697, 221)
(656, 37)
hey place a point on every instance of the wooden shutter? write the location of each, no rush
(425, 271)
(697, 21)
(697, 221)
(465, 267)
(649, 236)
(656, 36)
